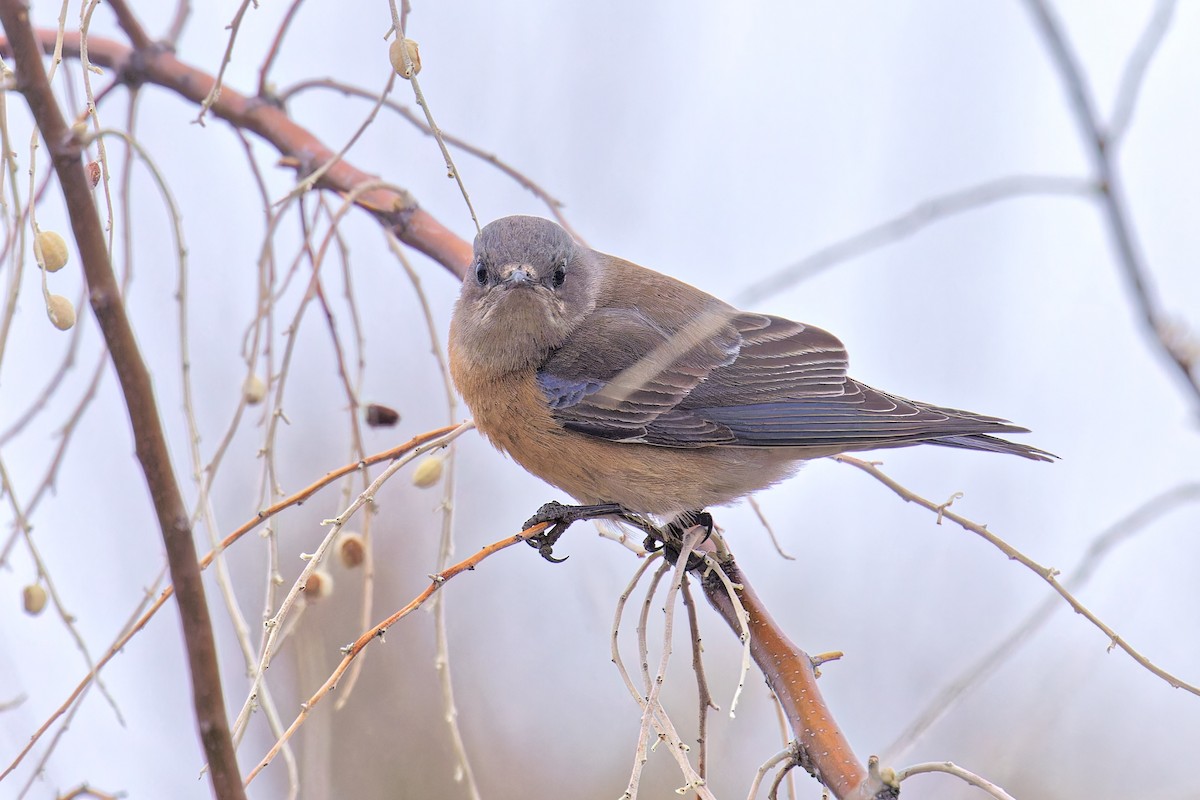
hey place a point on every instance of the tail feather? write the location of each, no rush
(994, 444)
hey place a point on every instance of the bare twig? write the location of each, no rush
(663, 726)
(215, 91)
(915, 219)
(410, 73)
(43, 573)
(276, 45)
(652, 709)
(274, 625)
(1156, 325)
(704, 695)
(787, 754)
(1134, 73)
(958, 772)
(1048, 574)
(758, 512)
(428, 439)
(552, 203)
(1078, 576)
(37, 771)
(352, 651)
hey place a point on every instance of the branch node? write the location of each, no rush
(941, 510)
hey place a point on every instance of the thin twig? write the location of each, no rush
(1048, 574)
(428, 440)
(274, 625)
(958, 772)
(552, 203)
(1077, 577)
(276, 45)
(758, 512)
(652, 708)
(663, 726)
(786, 754)
(917, 218)
(410, 73)
(1134, 74)
(704, 695)
(215, 92)
(352, 651)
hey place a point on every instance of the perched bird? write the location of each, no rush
(621, 385)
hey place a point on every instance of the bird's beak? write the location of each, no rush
(514, 275)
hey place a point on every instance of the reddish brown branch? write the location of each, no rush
(150, 443)
(789, 671)
(155, 64)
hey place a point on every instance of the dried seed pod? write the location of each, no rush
(352, 550)
(428, 472)
(396, 56)
(254, 390)
(318, 585)
(50, 250)
(34, 598)
(381, 416)
(60, 311)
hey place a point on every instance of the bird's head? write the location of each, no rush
(529, 286)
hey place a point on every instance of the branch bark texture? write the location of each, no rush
(823, 749)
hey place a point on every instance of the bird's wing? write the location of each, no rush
(738, 379)
(622, 376)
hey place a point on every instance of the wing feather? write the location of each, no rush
(739, 379)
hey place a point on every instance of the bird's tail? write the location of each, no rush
(993, 444)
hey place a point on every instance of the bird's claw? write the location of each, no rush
(673, 536)
(562, 517)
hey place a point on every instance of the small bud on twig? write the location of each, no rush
(34, 598)
(60, 311)
(428, 472)
(318, 586)
(352, 550)
(254, 390)
(50, 250)
(396, 53)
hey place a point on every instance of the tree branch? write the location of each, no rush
(134, 378)
(1114, 206)
(823, 749)
(157, 65)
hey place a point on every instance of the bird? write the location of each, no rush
(629, 389)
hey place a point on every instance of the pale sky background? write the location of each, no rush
(719, 143)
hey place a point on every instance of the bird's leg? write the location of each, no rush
(563, 517)
(671, 537)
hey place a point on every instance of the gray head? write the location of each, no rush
(528, 288)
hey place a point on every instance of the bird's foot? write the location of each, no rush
(670, 538)
(562, 517)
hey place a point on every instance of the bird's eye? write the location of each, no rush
(481, 274)
(560, 274)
